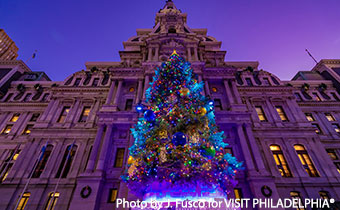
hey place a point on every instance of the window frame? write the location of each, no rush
(119, 160)
(306, 161)
(282, 114)
(82, 115)
(280, 161)
(260, 108)
(64, 114)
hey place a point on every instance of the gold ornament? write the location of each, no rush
(162, 155)
(202, 111)
(132, 170)
(163, 134)
(184, 91)
(130, 160)
(195, 138)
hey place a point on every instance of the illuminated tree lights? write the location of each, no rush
(178, 145)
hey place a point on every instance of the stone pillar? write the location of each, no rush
(207, 89)
(196, 54)
(189, 53)
(47, 110)
(156, 54)
(227, 89)
(146, 85)
(94, 110)
(111, 91)
(245, 149)
(272, 111)
(52, 112)
(105, 148)
(150, 54)
(71, 116)
(139, 91)
(236, 93)
(95, 149)
(119, 89)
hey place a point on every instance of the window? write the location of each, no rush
(42, 162)
(249, 82)
(52, 201)
(329, 117)
(8, 163)
(310, 117)
(281, 113)
(27, 130)
(298, 97)
(85, 114)
(266, 81)
(324, 195)
(66, 162)
(119, 157)
(317, 128)
(27, 97)
(44, 98)
(218, 104)
(280, 161)
(15, 117)
(128, 104)
(23, 201)
(238, 193)
(337, 165)
(305, 160)
(95, 82)
(63, 114)
(296, 195)
(317, 97)
(336, 127)
(332, 154)
(260, 114)
(77, 82)
(34, 117)
(113, 195)
(7, 129)
(335, 96)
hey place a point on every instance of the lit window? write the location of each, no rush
(249, 82)
(214, 89)
(66, 162)
(52, 201)
(238, 193)
(281, 113)
(42, 162)
(63, 114)
(27, 97)
(280, 161)
(23, 201)
(77, 82)
(131, 89)
(332, 154)
(119, 157)
(260, 114)
(324, 195)
(95, 82)
(113, 195)
(310, 117)
(266, 81)
(34, 117)
(306, 161)
(336, 127)
(128, 104)
(329, 117)
(317, 128)
(27, 130)
(298, 97)
(218, 104)
(7, 129)
(317, 97)
(296, 195)
(15, 117)
(8, 163)
(85, 114)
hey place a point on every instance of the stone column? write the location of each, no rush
(150, 54)
(272, 111)
(196, 54)
(236, 93)
(189, 53)
(95, 149)
(47, 110)
(71, 116)
(94, 110)
(156, 54)
(105, 148)
(139, 91)
(227, 89)
(245, 149)
(111, 91)
(146, 85)
(207, 89)
(52, 112)
(119, 89)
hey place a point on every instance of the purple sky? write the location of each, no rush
(273, 32)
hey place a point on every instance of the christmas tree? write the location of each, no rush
(178, 147)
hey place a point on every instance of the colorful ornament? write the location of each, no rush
(162, 155)
(163, 134)
(184, 91)
(131, 160)
(202, 111)
(209, 152)
(179, 139)
(149, 115)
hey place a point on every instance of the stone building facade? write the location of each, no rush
(286, 132)
(8, 49)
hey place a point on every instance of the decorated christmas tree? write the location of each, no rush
(178, 147)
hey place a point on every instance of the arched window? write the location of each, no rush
(297, 195)
(66, 162)
(23, 201)
(42, 162)
(324, 195)
(306, 160)
(52, 201)
(280, 160)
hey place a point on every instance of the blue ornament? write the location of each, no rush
(149, 115)
(139, 108)
(179, 139)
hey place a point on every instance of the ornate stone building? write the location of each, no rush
(8, 49)
(286, 132)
